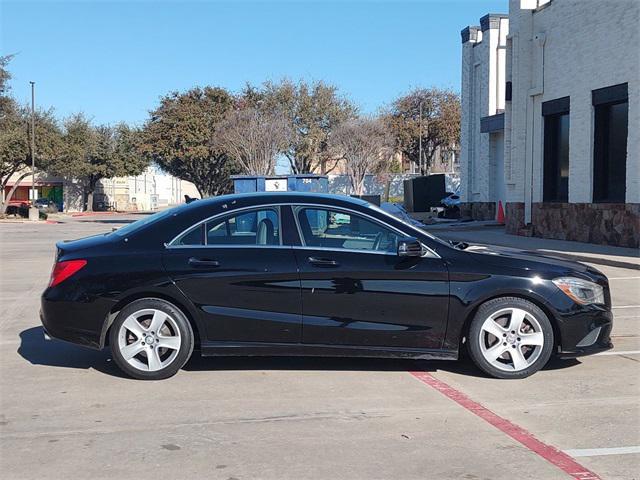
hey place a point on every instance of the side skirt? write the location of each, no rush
(248, 349)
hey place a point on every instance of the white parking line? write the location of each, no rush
(596, 452)
(621, 352)
(627, 306)
(624, 278)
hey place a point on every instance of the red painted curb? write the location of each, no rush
(551, 454)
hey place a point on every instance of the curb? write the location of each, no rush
(91, 214)
(598, 261)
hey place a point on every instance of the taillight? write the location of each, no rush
(63, 270)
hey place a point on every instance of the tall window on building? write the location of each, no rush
(556, 150)
(611, 110)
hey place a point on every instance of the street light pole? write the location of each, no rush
(420, 141)
(33, 142)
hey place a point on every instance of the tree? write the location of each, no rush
(5, 76)
(15, 144)
(440, 123)
(179, 137)
(313, 112)
(366, 148)
(93, 153)
(253, 138)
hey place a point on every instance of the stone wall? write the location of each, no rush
(602, 223)
(478, 210)
(514, 217)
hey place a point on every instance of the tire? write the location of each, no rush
(144, 351)
(510, 337)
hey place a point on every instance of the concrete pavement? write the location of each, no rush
(66, 412)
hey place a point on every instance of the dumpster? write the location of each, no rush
(280, 183)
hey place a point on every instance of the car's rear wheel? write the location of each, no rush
(151, 339)
(510, 337)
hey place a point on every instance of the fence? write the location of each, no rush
(374, 185)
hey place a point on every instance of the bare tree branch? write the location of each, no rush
(365, 146)
(253, 139)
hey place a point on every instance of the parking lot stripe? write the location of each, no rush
(627, 306)
(596, 452)
(551, 454)
(620, 352)
(623, 278)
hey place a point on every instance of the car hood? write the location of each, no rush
(524, 259)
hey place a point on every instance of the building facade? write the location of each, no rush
(551, 119)
(151, 190)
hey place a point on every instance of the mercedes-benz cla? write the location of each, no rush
(310, 274)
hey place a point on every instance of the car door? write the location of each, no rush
(357, 291)
(242, 280)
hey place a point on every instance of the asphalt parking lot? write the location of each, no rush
(67, 412)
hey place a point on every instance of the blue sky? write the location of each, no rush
(113, 60)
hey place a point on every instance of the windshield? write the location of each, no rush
(414, 227)
(147, 220)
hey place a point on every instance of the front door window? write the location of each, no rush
(325, 228)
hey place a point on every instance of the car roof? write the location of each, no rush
(258, 198)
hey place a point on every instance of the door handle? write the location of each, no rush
(322, 262)
(203, 262)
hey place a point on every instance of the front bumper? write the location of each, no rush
(586, 332)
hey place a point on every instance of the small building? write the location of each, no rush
(551, 119)
(151, 190)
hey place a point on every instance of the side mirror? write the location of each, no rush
(409, 247)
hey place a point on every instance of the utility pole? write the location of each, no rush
(420, 141)
(33, 142)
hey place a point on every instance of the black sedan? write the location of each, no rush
(308, 274)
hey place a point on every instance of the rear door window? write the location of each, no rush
(256, 227)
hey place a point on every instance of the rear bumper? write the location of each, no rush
(54, 330)
(76, 322)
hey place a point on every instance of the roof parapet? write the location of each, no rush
(471, 34)
(492, 20)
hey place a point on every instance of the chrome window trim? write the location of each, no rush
(248, 245)
(428, 251)
(274, 206)
(349, 250)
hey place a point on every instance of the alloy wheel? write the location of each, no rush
(511, 339)
(149, 340)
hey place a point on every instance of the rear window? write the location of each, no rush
(148, 220)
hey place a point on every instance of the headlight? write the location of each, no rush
(580, 291)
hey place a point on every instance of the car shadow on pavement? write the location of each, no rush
(56, 353)
(464, 366)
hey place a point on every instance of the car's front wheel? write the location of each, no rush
(151, 339)
(510, 337)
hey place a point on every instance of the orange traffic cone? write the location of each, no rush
(500, 216)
